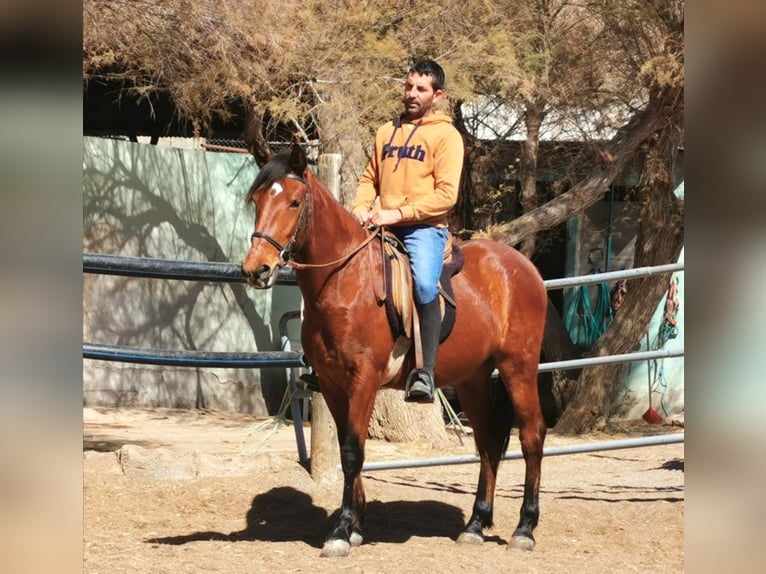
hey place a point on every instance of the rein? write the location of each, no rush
(286, 252)
(347, 256)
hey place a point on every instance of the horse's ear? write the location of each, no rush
(298, 161)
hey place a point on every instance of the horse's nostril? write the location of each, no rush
(263, 272)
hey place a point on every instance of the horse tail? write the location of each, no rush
(501, 412)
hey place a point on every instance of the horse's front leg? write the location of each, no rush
(347, 531)
(352, 419)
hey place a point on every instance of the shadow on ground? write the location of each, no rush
(285, 514)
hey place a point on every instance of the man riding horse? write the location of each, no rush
(414, 174)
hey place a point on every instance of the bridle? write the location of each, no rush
(286, 252)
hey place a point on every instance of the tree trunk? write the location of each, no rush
(255, 138)
(397, 421)
(324, 442)
(528, 198)
(590, 405)
(622, 149)
(340, 132)
(659, 240)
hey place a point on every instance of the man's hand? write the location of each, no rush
(386, 217)
(362, 215)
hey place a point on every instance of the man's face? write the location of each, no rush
(419, 95)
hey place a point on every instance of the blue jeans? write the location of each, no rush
(425, 245)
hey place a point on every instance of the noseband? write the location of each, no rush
(286, 252)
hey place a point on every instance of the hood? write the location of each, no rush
(437, 117)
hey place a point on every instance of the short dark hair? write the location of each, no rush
(429, 68)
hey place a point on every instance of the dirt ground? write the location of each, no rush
(192, 491)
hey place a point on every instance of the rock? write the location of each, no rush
(157, 462)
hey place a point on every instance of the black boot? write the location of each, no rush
(420, 385)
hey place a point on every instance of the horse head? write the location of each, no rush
(281, 198)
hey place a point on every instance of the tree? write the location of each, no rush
(335, 70)
(660, 236)
(638, 40)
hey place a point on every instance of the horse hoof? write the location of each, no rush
(470, 538)
(335, 549)
(356, 539)
(521, 543)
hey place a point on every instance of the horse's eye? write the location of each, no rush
(295, 203)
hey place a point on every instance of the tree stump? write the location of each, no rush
(394, 420)
(325, 453)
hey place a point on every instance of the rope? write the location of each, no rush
(453, 416)
(604, 313)
(668, 326)
(668, 329)
(583, 324)
(660, 384)
(579, 319)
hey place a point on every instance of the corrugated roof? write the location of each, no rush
(488, 119)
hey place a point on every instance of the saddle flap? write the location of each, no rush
(399, 300)
(401, 284)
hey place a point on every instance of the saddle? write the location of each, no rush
(398, 290)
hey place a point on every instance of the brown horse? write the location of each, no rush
(501, 305)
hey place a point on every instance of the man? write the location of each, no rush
(415, 173)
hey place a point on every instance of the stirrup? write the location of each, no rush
(419, 387)
(310, 381)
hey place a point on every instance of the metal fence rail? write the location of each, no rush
(186, 358)
(616, 444)
(606, 359)
(231, 273)
(612, 275)
(213, 271)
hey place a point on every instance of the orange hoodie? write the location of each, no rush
(415, 168)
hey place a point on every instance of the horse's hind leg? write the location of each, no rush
(528, 415)
(491, 417)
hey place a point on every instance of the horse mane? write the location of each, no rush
(276, 169)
